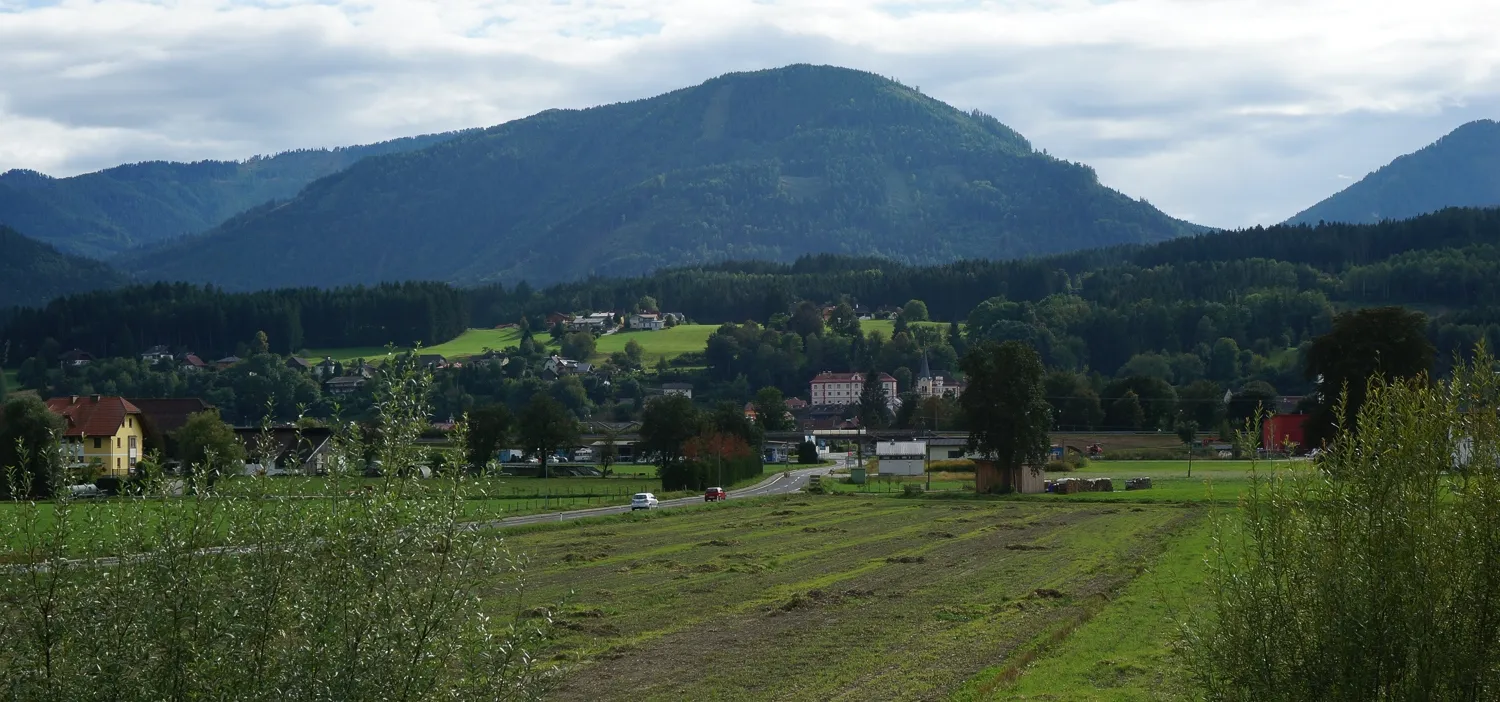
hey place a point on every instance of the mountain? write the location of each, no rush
(766, 165)
(104, 213)
(1461, 169)
(31, 272)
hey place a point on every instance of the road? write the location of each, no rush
(778, 484)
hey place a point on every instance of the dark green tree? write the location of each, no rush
(914, 311)
(578, 345)
(843, 321)
(490, 429)
(770, 409)
(874, 402)
(208, 447)
(1075, 405)
(1187, 433)
(667, 423)
(1005, 405)
(29, 460)
(1126, 412)
(1254, 397)
(545, 427)
(956, 339)
(1385, 342)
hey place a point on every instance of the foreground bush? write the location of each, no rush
(382, 593)
(1376, 574)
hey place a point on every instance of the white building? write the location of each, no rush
(901, 457)
(646, 321)
(683, 389)
(846, 388)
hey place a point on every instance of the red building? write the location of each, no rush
(1282, 429)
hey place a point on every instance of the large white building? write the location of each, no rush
(901, 457)
(846, 388)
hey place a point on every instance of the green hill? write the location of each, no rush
(766, 165)
(1460, 170)
(31, 272)
(104, 213)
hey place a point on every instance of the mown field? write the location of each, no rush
(860, 597)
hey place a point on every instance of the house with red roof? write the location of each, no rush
(102, 430)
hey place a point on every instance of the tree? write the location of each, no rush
(1005, 405)
(1074, 403)
(557, 331)
(770, 409)
(4, 388)
(1150, 365)
(635, 352)
(1251, 399)
(578, 345)
(646, 304)
(489, 430)
(1126, 412)
(1382, 342)
(609, 449)
(807, 453)
(29, 434)
(914, 311)
(546, 426)
(1203, 402)
(667, 423)
(262, 344)
(874, 402)
(207, 446)
(956, 339)
(807, 320)
(1187, 432)
(1224, 361)
(843, 321)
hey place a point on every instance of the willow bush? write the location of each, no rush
(1374, 572)
(377, 590)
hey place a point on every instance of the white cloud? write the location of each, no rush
(1227, 112)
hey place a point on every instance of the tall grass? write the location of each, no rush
(1373, 574)
(379, 592)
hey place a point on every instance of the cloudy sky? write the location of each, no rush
(1223, 112)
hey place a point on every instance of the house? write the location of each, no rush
(327, 368)
(226, 362)
(683, 389)
(796, 404)
(285, 449)
(901, 457)
(156, 354)
(646, 321)
(557, 367)
(103, 430)
(191, 362)
(76, 358)
(846, 388)
(941, 448)
(165, 415)
(825, 417)
(752, 415)
(597, 323)
(555, 317)
(299, 363)
(432, 361)
(343, 385)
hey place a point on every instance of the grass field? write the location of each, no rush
(667, 343)
(832, 598)
(470, 343)
(888, 326)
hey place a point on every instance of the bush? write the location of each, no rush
(807, 453)
(317, 600)
(1371, 574)
(1056, 466)
(911, 490)
(956, 465)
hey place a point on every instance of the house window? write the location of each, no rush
(98, 443)
(117, 463)
(130, 422)
(117, 442)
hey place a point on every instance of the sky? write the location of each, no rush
(1227, 113)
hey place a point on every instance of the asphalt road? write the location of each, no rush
(778, 484)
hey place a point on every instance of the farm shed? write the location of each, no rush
(902, 457)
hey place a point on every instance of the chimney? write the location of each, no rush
(95, 398)
(73, 400)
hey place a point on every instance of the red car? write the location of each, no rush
(715, 494)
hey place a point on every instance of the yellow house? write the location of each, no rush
(103, 430)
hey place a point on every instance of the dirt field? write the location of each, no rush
(831, 598)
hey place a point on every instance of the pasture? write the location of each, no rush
(860, 597)
(667, 343)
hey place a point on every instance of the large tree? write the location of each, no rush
(667, 423)
(579, 345)
(1005, 405)
(770, 410)
(914, 311)
(1384, 342)
(206, 444)
(489, 429)
(29, 434)
(545, 427)
(874, 402)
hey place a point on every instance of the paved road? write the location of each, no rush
(776, 485)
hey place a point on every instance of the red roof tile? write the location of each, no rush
(92, 415)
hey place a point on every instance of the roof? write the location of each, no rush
(92, 415)
(827, 377)
(77, 355)
(900, 448)
(168, 414)
(795, 403)
(346, 380)
(228, 359)
(193, 360)
(298, 361)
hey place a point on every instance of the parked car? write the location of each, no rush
(715, 494)
(643, 500)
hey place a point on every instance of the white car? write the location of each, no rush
(643, 500)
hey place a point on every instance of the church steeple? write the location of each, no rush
(926, 371)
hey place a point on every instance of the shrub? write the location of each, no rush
(384, 593)
(807, 453)
(109, 484)
(1371, 574)
(955, 465)
(1056, 466)
(911, 490)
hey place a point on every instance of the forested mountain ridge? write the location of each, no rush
(103, 213)
(31, 272)
(1461, 169)
(772, 164)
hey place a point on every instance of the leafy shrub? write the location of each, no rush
(911, 490)
(955, 465)
(384, 593)
(1056, 466)
(807, 453)
(109, 484)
